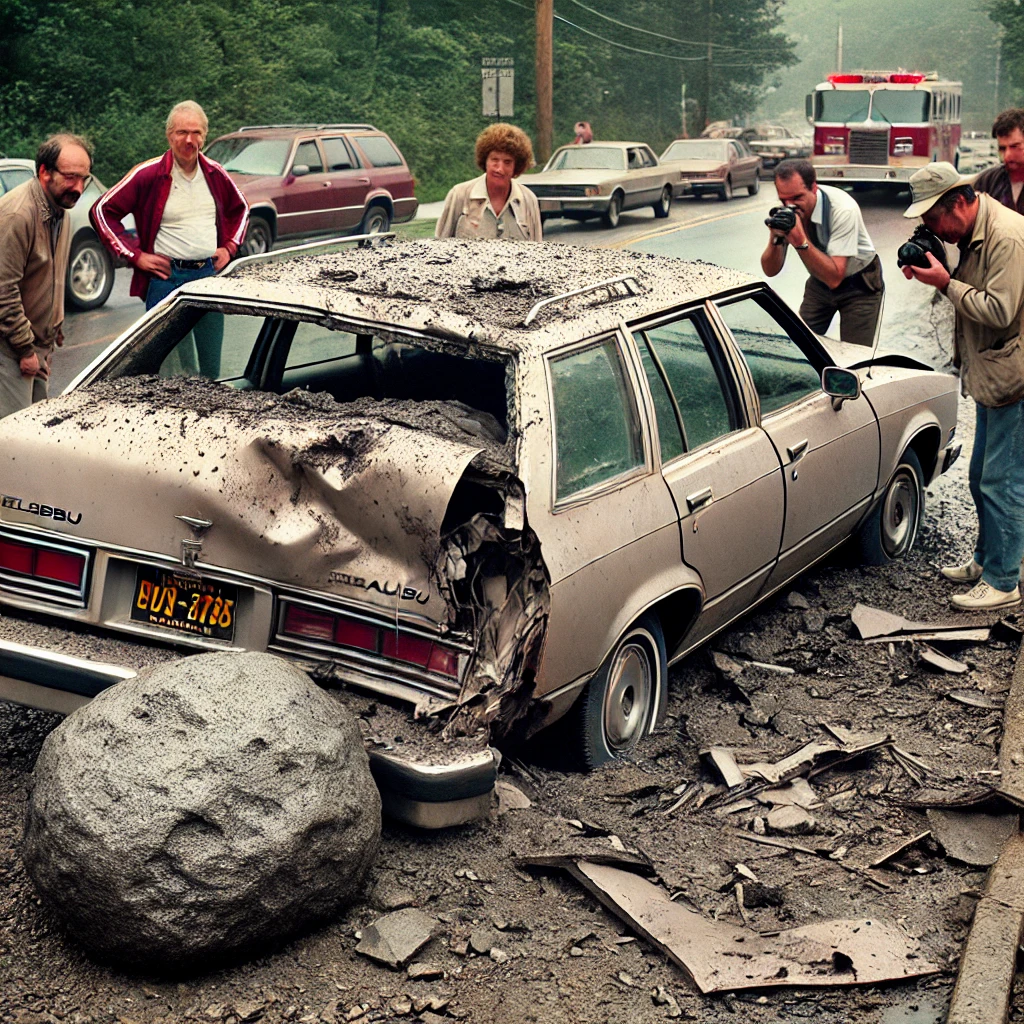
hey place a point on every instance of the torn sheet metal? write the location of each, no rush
(941, 662)
(721, 957)
(815, 756)
(876, 623)
(973, 837)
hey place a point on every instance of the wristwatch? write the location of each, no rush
(806, 245)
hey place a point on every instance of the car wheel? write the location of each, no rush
(726, 194)
(611, 215)
(376, 221)
(756, 186)
(90, 275)
(663, 207)
(259, 238)
(891, 529)
(615, 711)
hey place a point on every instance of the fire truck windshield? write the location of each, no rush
(842, 105)
(888, 106)
(899, 107)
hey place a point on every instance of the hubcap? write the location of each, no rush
(899, 514)
(628, 697)
(87, 275)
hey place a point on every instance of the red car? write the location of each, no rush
(314, 179)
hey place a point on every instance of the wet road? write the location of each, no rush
(731, 234)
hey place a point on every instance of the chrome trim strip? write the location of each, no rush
(58, 671)
(326, 209)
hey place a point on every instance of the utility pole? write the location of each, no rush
(999, 60)
(839, 48)
(708, 69)
(545, 115)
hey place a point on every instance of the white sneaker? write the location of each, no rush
(969, 572)
(983, 598)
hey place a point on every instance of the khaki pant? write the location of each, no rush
(18, 392)
(858, 309)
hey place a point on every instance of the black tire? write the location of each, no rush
(610, 217)
(890, 530)
(259, 237)
(90, 275)
(756, 187)
(616, 710)
(663, 207)
(376, 221)
(726, 194)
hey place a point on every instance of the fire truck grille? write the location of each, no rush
(869, 147)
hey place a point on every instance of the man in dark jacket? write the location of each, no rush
(1005, 181)
(190, 216)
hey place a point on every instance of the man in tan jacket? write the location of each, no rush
(35, 238)
(987, 292)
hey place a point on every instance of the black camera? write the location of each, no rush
(781, 218)
(913, 253)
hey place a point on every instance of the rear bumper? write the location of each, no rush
(426, 795)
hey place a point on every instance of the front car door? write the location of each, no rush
(829, 456)
(723, 471)
(305, 200)
(350, 184)
(642, 180)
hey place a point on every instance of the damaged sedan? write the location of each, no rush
(487, 486)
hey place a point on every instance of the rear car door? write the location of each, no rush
(349, 186)
(829, 456)
(303, 207)
(723, 472)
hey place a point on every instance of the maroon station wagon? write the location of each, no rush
(315, 179)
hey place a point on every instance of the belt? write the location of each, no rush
(192, 264)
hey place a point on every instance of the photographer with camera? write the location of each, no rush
(987, 292)
(825, 227)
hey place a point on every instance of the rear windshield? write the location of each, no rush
(250, 156)
(276, 353)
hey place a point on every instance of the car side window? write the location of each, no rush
(597, 426)
(379, 151)
(338, 157)
(649, 158)
(683, 364)
(308, 153)
(635, 160)
(778, 365)
(216, 347)
(313, 344)
(12, 178)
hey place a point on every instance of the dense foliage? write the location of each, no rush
(1009, 14)
(111, 69)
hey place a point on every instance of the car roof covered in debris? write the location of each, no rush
(478, 291)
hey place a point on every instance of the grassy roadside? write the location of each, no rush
(415, 229)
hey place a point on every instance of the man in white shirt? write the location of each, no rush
(830, 238)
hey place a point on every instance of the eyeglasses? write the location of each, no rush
(85, 179)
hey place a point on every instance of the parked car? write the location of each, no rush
(499, 484)
(601, 180)
(303, 180)
(773, 143)
(90, 267)
(714, 166)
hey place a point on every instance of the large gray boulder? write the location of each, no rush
(200, 812)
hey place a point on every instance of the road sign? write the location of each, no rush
(498, 75)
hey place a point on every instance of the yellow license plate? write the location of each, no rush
(188, 604)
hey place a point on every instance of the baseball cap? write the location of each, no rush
(930, 183)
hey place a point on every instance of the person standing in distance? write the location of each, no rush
(35, 241)
(834, 246)
(987, 292)
(494, 205)
(190, 216)
(1005, 181)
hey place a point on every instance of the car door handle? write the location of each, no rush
(363, 181)
(326, 184)
(795, 451)
(699, 499)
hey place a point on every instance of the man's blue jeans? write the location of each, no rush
(997, 486)
(208, 333)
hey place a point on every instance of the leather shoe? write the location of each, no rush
(985, 598)
(969, 572)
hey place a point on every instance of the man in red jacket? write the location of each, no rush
(190, 217)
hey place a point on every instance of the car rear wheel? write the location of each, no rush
(90, 275)
(611, 215)
(663, 207)
(259, 238)
(617, 708)
(376, 221)
(756, 186)
(891, 529)
(726, 194)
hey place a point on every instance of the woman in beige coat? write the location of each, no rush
(494, 205)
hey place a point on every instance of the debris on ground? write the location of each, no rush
(875, 623)
(971, 836)
(396, 938)
(942, 662)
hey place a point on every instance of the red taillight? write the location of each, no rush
(300, 621)
(60, 566)
(444, 662)
(16, 557)
(407, 648)
(355, 634)
(845, 79)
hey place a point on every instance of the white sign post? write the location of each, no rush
(499, 76)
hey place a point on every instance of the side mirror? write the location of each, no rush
(841, 385)
(299, 170)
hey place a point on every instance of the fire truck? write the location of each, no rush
(878, 127)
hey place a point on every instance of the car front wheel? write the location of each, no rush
(259, 238)
(891, 529)
(90, 275)
(726, 194)
(611, 215)
(663, 207)
(618, 706)
(754, 188)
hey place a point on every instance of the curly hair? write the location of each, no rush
(505, 138)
